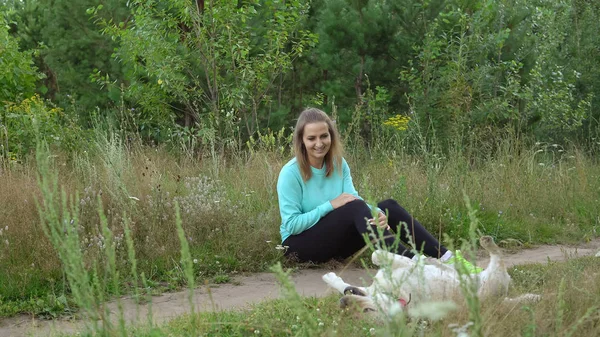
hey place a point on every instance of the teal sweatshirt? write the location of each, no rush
(302, 204)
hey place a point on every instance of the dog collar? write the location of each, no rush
(404, 302)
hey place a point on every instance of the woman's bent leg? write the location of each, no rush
(327, 239)
(339, 234)
(423, 240)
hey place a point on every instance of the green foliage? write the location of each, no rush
(18, 75)
(68, 48)
(33, 120)
(206, 76)
(207, 67)
(49, 306)
(489, 65)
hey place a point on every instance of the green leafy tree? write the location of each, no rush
(18, 75)
(485, 66)
(363, 44)
(70, 48)
(210, 64)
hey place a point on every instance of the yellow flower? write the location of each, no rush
(398, 122)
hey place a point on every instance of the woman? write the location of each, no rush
(323, 217)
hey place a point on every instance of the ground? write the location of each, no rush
(251, 289)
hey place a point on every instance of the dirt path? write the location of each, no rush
(251, 290)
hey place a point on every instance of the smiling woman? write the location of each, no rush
(317, 141)
(323, 217)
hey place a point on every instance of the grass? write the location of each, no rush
(230, 218)
(572, 311)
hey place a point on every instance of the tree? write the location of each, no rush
(70, 49)
(210, 64)
(18, 75)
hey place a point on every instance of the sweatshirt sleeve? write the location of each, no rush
(289, 193)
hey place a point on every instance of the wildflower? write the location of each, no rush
(398, 122)
(195, 261)
(257, 332)
(372, 331)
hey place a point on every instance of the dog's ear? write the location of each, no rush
(354, 291)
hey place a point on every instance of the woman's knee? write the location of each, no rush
(389, 204)
(357, 205)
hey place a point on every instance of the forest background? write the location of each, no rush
(148, 104)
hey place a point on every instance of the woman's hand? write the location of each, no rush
(342, 199)
(381, 221)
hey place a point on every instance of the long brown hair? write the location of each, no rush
(334, 155)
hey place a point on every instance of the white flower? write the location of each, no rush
(257, 332)
(195, 261)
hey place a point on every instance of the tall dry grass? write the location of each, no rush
(231, 219)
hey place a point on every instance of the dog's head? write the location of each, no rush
(358, 301)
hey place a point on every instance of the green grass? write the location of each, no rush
(323, 317)
(230, 217)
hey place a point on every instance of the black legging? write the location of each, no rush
(339, 234)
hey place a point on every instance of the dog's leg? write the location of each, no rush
(432, 261)
(335, 282)
(494, 280)
(382, 258)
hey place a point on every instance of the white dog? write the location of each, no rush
(403, 282)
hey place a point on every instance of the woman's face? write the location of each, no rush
(317, 141)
